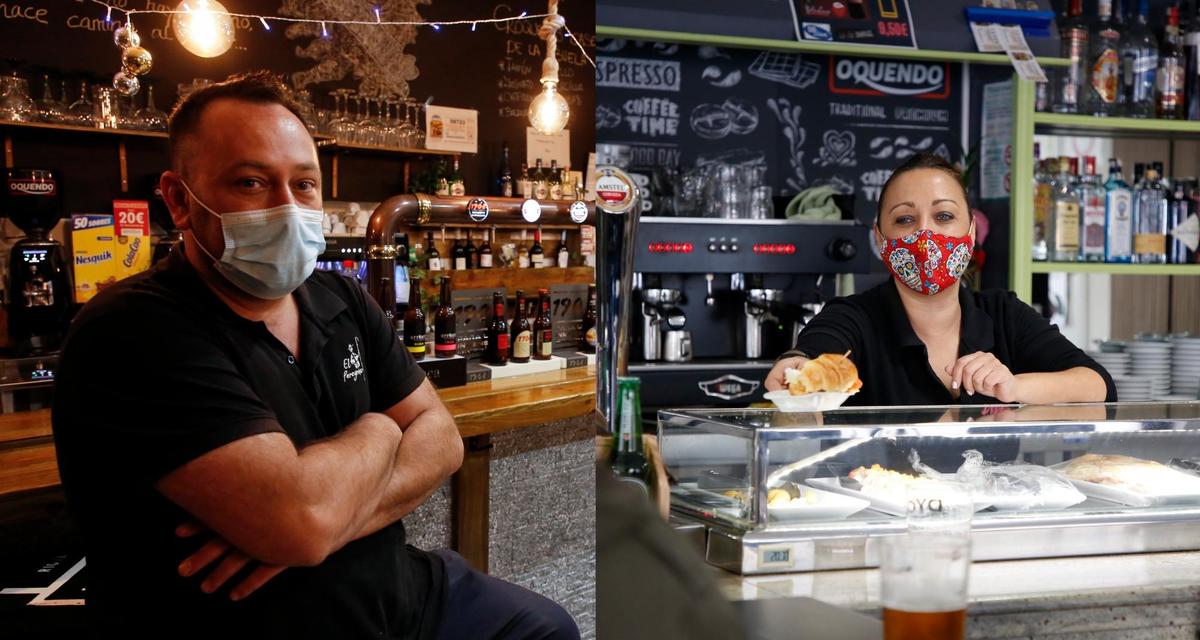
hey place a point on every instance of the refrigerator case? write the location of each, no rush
(726, 466)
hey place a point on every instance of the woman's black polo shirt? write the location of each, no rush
(893, 363)
(157, 371)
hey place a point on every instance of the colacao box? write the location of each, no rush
(92, 242)
(132, 247)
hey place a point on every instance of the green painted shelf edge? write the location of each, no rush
(1118, 269)
(742, 42)
(1093, 123)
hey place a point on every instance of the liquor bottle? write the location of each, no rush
(523, 261)
(1139, 174)
(543, 328)
(443, 181)
(1139, 64)
(472, 252)
(524, 183)
(413, 252)
(414, 322)
(1118, 211)
(1169, 81)
(1043, 204)
(504, 184)
(564, 256)
(497, 334)
(589, 337)
(1191, 73)
(1150, 220)
(1063, 228)
(1102, 93)
(445, 327)
(433, 260)
(459, 255)
(1094, 215)
(628, 460)
(457, 186)
(1178, 209)
(1074, 38)
(1162, 175)
(485, 251)
(537, 257)
(522, 333)
(400, 274)
(541, 182)
(555, 181)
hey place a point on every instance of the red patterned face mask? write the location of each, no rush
(927, 262)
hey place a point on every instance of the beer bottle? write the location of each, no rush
(537, 256)
(433, 261)
(414, 322)
(543, 328)
(628, 459)
(485, 251)
(459, 254)
(471, 251)
(589, 323)
(497, 333)
(445, 337)
(521, 333)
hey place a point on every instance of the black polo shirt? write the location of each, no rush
(893, 363)
(157, 371)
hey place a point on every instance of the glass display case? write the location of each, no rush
(781, 492)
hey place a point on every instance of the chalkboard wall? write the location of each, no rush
(810, 119)
(493, 69)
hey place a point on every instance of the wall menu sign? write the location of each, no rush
(809, 119)
(873, 22)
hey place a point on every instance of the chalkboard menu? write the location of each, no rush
(493, 68)
(810, 119)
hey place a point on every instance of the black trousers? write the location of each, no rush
(480, 607)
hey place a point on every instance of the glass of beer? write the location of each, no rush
(924, 571)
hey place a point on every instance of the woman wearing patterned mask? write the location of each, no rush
(921, 337)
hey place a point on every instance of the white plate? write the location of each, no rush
(1132, 498)
(829, 506)
(824, 401)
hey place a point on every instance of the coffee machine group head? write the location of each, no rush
(760, 308)
(38, 287)
(660, 315)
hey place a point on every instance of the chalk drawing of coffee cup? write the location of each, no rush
(711, 121)
(742, 114)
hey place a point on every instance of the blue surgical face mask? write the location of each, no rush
(268, 252)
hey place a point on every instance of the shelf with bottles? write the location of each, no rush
(507, 278)
(73, 128)
(1115, 268)
(1106, 127)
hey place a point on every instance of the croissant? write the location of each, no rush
(828, 372)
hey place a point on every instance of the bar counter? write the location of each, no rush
(522, 506)
(1134, 597)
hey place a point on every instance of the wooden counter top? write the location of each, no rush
(27, 458)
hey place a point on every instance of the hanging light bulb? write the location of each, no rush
(203, 27)
(548, 112)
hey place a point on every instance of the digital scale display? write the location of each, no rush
(34, 256)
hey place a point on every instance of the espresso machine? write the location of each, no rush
(717, 300)
(38, 286)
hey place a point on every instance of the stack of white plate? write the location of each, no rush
(1151, 360)
(1116, 362)
(1185, 367)
(1132, 388)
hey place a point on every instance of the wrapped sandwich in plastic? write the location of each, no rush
(1011, 486)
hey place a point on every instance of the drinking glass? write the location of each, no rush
(82, 111)
(106, 112)
(924, 572)
(49, 109)
(15, 103)
(150, 117)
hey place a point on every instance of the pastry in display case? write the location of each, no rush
(801, 491)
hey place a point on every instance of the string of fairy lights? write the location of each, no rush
(206, 29)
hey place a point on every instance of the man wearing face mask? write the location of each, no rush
(921, 337)
(239, 437)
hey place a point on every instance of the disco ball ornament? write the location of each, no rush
(136, 61)
(125, 37)
(126, 84)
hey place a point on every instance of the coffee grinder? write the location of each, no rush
(38, 286)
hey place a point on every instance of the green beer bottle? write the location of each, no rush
(628, 459)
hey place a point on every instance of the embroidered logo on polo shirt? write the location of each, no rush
(352, 366)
